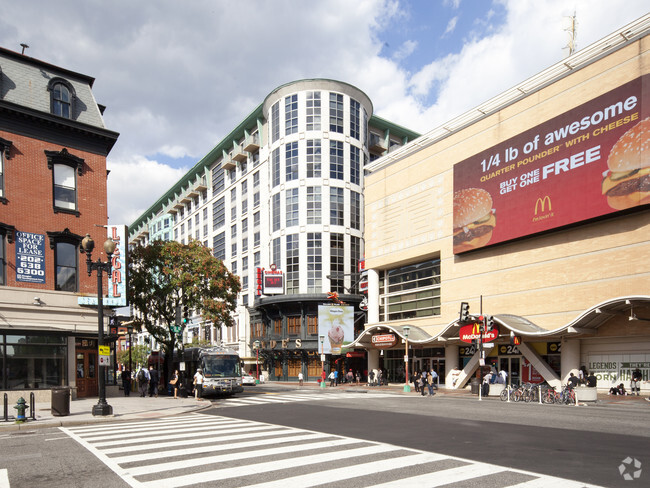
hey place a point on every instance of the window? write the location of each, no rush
(4, 153)
(293, 325)
(275, 167)
(244, 244)
(243, 167)
(65, 256)
(355, 165)
(337, 264)
(291, 114)
(275, 122)
(336, 206)
(218, 180)
(256, 199)
(313, 110)
(38, 361)
(410, 291)
(244, 206)
(4, 231)
(291, 161)
(293, 207)
(313, 158)
(244, 226)
(244, 282)
(257, 259)
(277, 326)
(233, 267)
(256, 219)
(244, 188)
(293, 264)
(312, 324)
(355, 256)
(275, 208)
(355, 210)
(313, 204)
(336, 160)
(354, 119)
(314, 262)
(65, 168)
(219, 246)
(257, 329)
(277, 252)
(61, 96)
(336, 113)
(256, 238)
(219, 213)
(256, 179)
(244, 264)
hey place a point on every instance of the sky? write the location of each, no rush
(178, 76)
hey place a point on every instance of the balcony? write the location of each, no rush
(200, 185)
(252, 143)
(239, 154)
(376, 144)
(228, 163)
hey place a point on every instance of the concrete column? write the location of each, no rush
(373, 296)
(373, 359)
(451, 362)
(569, 358)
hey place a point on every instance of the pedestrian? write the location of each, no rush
(582, 375)
(455, 374)
(635, 384)
(357, 376)
(486, 384)
(573, 380)
(300, 378)
(592, 381)
(430, 383)
(198, 384)
(336, 377)
(126, 381)
(143, 381)
(371, 378)
(332, 378)
(416, 381)
(503, 376)
(380, 376)
(154, 378)
(434, 377)
(421, 383)
(174, 383)
(350, 377)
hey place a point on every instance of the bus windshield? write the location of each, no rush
(221, 367)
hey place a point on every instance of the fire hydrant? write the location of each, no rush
(20, 407)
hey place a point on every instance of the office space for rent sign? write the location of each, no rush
(30, 257)
(554, 174)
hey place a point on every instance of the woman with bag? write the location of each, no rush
(174, 383)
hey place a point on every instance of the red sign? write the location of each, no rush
(355, 354)
(583, 164)
(470, 333)
(383, 341)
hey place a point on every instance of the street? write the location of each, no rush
(338, 437)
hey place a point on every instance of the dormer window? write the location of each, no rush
(61, 98)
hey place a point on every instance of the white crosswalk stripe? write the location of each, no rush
(314, 397)
(209, 450)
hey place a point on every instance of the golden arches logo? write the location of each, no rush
(543, 202)
(476, 328)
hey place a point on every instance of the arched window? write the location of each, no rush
(61, 98)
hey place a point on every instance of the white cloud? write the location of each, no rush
(451, 25)
(405, 50)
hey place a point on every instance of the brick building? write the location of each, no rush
(53, 149)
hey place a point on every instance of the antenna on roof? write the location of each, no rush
(25, 46)
(573, 34)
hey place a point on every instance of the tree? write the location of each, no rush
(166, 276)
(138, 355)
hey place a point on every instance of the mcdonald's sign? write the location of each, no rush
(546, 200)
(470, 333)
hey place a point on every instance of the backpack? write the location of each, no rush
(140, 376)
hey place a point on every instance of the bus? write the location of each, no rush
(221, 369)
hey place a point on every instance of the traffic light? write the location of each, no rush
(481, 322)
(464, 312)
(186, 315)
(489, 323)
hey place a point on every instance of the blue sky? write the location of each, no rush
(176, 77)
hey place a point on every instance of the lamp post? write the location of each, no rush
(256, 346)
(322, 361)
(406, 329)
(87, 246)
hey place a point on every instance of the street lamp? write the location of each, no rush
(87, 246)
(406, 329)
(322, 361)
(256, 346)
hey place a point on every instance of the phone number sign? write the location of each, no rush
(30, 257)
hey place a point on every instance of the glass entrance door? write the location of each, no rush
(512, 366)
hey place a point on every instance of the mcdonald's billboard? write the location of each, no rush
(470, 333)
(585, 163)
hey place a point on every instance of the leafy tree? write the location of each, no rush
(167, 276)
(138, 355)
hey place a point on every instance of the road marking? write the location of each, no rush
(4, 478)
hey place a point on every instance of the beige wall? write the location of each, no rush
(549, 279)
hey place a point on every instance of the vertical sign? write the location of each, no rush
(336, 324)
(30, 257)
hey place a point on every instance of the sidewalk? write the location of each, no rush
(132, 407)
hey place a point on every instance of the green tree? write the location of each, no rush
(166, 276)
(138, 355)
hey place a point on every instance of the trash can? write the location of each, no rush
(474, 385)
(61, 401)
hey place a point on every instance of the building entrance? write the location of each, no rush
(86, 368)
(512, 366)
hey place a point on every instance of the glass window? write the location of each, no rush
(244, 244)
(293, 325)
(337, 263)
(277, 252)
(65, 187)
(410, 291)
(275, 167)
(336, 112)
(293, 265)
(256, 239)
(336, 160)
(3, 259)
(256, 219)
(61, 100)
(218, 180)
(314, 204)
(355, 256)
(219, 213)
(291, 161)
(291, 114)
(275, 122)
(33, 362)
(355, 165)
(355, 210)
(257, 259)
(314, 262)
(293, 207)
(219, 246)
(256, 179)
(244, 264)
(313, 110)
(66, 266)
(275, 208)
(313, 158)
(354, 119)
(336, 206)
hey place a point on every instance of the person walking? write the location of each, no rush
(154, 379)
(434, 378)
(430, 383)
(198, 384)
(301, 378)
(332, 378)
(143, 381)
(635, 383)
(126, 381)
(174, 382)
(336, 377)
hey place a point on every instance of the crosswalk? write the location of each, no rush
(206, 450)
(240, 401)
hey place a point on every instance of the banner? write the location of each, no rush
(336, 326)
(30, 257)
(585, 163)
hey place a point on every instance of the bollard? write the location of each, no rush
(575, 392)
(508, 390)
(539, 389)
(6, 408)
(32, 406)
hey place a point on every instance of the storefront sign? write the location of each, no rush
(471, 332)
(528, 373)
(384, 341)
(355, 354)
(30, 257)
(613, 369)
(558, 173)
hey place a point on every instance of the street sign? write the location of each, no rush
(176, 329)
(104, 350)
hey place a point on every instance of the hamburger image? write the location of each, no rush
(474, 219)
(627, 182)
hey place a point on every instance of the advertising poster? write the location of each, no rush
(336, 324)
(588, 162)
(613, 369)
(30, 257)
